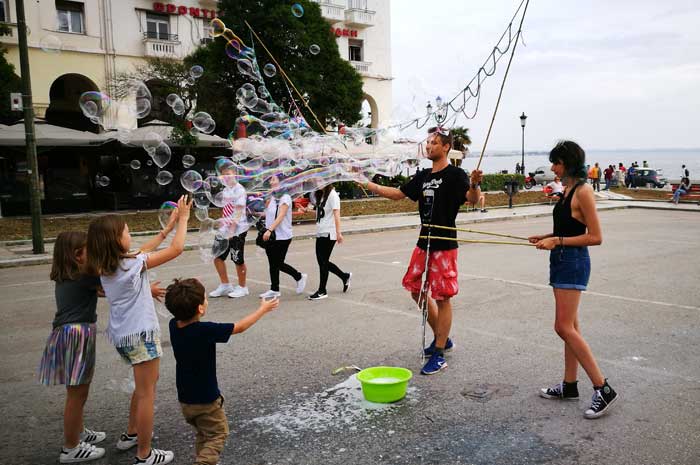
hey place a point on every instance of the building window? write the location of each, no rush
(158, 26)
(357, 4)
(207, 31)
(355, 50)
(70, 17)
(4, 12)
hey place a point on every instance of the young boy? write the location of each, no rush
(194, 345)
(235, 212)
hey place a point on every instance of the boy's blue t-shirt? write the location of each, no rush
(195, 356)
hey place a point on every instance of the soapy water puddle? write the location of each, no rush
(340, 406)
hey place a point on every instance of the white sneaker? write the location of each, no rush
(239, 291)
(222, 290)
(92, 437)
(83, 452)
(270, 294)
(156, 457)
(301, 284)
(126, 442)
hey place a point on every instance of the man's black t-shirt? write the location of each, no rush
(195, 359)
(439, 197)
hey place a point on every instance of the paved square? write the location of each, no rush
(641, 318)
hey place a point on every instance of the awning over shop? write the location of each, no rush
(48, 135)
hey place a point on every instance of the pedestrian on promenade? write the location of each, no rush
(609, 172)
(278, 220)
(194, 346)
(517, 168)
(683, 189)
(439, 191)
(327, 205)
(133, 324)
(234, 214)
(684, 172)
(576, 226)
(595, 177)
(621, 172)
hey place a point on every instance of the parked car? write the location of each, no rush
(543, 175)
(643, 177)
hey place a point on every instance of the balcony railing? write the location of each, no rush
(160, 36)
(332, 12)
(161, 45)
(356, 17)
(362, 67)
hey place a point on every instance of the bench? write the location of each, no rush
(693, 193)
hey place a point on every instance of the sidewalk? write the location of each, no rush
(19, 253)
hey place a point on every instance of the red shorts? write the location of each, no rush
(442, 273)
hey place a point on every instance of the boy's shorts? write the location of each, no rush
(236, 246)
(143, 351)
(442, 274)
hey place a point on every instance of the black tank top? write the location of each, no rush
(566, 225)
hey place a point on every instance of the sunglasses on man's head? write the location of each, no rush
(439, 130)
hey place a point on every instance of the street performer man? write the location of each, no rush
(440, 191)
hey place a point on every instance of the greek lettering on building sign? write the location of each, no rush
(344, 32)
(183, 10)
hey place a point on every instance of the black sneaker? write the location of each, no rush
(318, 295)
(603, 398)
(346, 283)
(562, 391)
(428, 351)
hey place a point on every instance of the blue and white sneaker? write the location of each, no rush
(428, 351)
(435, 364)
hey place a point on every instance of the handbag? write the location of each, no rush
(262, 243)
(260, 226)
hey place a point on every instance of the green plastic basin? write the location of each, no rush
(384, 384)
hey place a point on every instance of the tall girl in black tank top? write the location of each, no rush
(576, 226)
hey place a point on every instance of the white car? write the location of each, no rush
(543, 175)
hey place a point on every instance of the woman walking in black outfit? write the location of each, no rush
(327, 202)
(278, 220)
(576, 226)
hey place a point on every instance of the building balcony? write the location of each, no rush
(332, 12)
(362, 67)
(357, 15)
(161, 45)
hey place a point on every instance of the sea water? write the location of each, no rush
(667, 160)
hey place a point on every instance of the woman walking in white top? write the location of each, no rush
(327, 203)
(278, 220)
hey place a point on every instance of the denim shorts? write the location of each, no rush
(143, 351)
(569, 268)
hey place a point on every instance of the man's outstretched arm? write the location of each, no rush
(391, 193)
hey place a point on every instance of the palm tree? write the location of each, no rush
(460, 140)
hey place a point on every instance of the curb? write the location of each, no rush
(47, 259)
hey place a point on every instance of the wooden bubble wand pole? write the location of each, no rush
(500, 93)
(284, 75)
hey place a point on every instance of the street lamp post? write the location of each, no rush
(522, 160)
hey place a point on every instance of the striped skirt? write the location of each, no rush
(69, 356)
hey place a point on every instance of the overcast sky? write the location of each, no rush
(608, 74)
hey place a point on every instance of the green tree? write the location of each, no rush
(163, 76)
(9, 82)
(333, 85)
